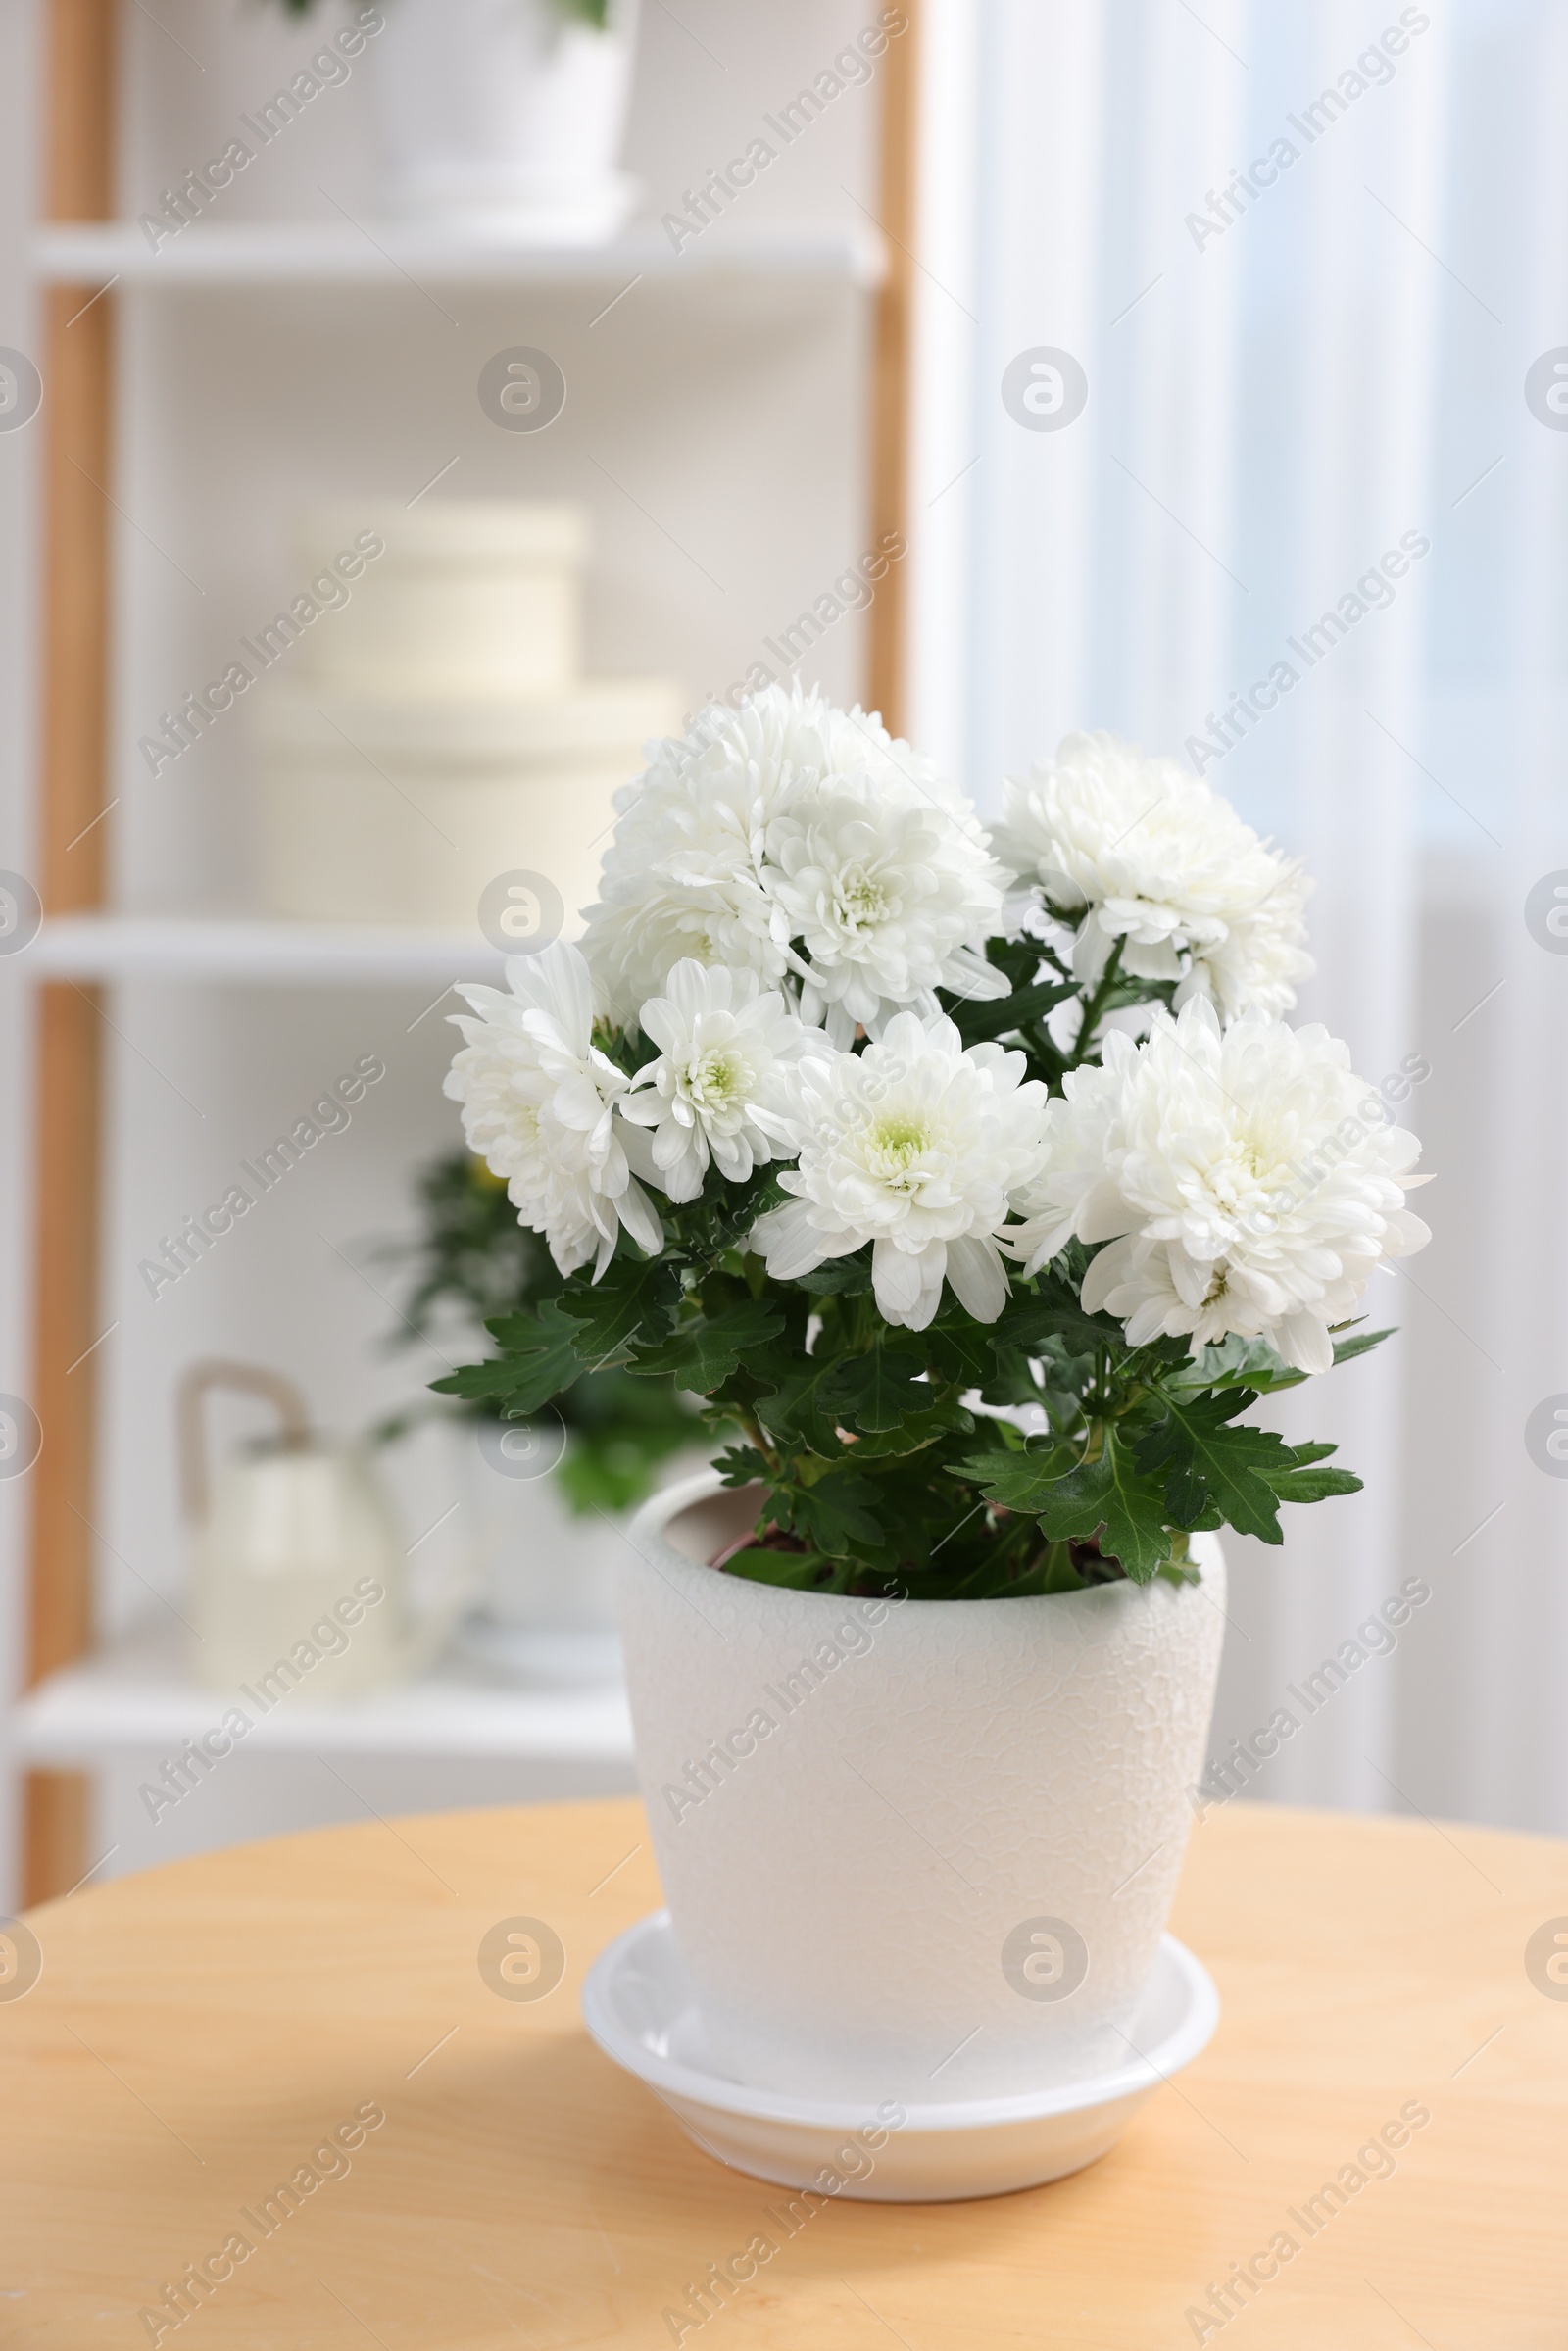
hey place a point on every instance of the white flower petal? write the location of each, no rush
(915, 1145)
(1245, 1192)
(790, 1242)
(978, 1277)
(719, 1089)
(641, 1218)
(1150, 855)
(1105, 1272)
(1304, 1343)
(788, 819)
(538, 1102)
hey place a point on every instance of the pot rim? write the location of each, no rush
(654, 1515)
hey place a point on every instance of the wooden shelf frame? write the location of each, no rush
(79, 410)
(78, 374)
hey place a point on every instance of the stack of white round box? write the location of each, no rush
(437, 731)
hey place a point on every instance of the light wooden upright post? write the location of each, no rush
(891, 369)
(77, 419)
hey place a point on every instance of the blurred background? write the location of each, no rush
(1146, 331)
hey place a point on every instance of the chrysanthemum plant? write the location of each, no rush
(977, 1186)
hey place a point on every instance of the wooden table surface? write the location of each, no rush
(198, 2032)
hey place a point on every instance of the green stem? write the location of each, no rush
(753, 1428)
(1095, 1006)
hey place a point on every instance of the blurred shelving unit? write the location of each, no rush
(239, 948)
(304, 253)
(134, 1696)
(85, 1705)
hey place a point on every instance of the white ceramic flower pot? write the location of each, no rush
(924, 1850)
(508, 114)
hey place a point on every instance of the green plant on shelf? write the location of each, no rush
(471, 1261)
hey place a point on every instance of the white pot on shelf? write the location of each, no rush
(547, 1597)
(508, 115)
(922, 1849)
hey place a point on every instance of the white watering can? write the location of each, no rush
(300, 1579)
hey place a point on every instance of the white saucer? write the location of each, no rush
(637, 2003)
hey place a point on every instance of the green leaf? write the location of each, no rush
(703, 1354)
(742, 1465)
(1360, 1342)
(1233, 1363)
(915, 1433)
(724, 1218)
(877, 1391)
(1018, 1480)
(1114, 1498)
(636, 1299)
(842, 1277)
(960, 1349)
(1302, 1454)
(1199, 1441)
(540, 1361)
(1026, 1324)
(1237, 1362)
(999, 1016)
(1313, 1485)
(833, 1513)
(796, 1571)
(794, 1411)
(1115, 1493)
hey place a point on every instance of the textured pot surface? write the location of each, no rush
(923, 1849)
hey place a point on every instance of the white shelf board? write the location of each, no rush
(302, 252)
(122, 946)
(136, 1698)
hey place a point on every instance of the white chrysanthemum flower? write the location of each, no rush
(912, 1145)
(886, 903)
(538, 1105)
(1140, 850)
(1245, 1181)
(739, 847)
(718, 1086)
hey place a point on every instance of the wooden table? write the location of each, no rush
(199, 2032)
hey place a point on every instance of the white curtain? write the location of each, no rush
(1291, 377)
